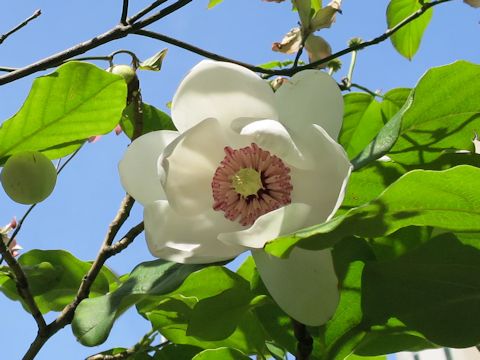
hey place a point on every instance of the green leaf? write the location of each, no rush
(212, 3)
(94, 317)
(393, 101)
(54, 277)
(407, 40)
(361, 122)
(222, 353)
(155, 62)
(212, 308)
(434, 289)
(357, 357)
(431, 126)
(153, 119)
(172, 320)
(367, 183)
(63, 109)
(177, 352)
(391, 338)
(346, 329)
(443, 204)
(385, 139)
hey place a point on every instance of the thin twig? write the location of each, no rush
(121, 31)
(22, 285)
(145, 11)
(367, 90)
(195, 49)
(123, 17)
(304, 341)
(83, 291)
(122, 244)
(7, 69)
(36, 14)
(117, 32)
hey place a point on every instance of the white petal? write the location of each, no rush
(311, 97)
(191, 164)
(269, 226)
(271, 135)
(187, 239)
(305, 285)
(223, 91)
(138, 167)
(323, 188)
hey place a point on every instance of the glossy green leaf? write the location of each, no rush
(385, 139)
(391, 338)
(367, 183)
(361, 122)
(63, 109)
(212, 308)
(94, 317)
(54, 277)
(444, 203)
(177, 352)
(222, 353)
(172, 320)
(445, 114)
(346, 329)
(407, 40)
(358, 357)
(212, 3)
(153, 119)
(277, 325)
(434, 289)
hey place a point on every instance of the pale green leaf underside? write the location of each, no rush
(63, 109)
(407, 40)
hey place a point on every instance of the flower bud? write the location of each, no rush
(317, 48)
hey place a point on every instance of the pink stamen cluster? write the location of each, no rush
(274, 193)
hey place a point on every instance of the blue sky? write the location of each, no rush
(88, 192)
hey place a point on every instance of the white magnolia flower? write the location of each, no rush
(246, 166)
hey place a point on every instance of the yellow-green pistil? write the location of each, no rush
(247, 181)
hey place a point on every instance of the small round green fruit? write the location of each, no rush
(28, 177)
(127, 72)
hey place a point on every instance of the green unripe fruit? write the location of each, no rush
(125, 71)
(28, 177)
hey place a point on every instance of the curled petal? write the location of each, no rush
(269, 226)
(223, 91)
(272, 136)
(304, 285)
(138, 167)
(323, 188)
(311, 97)
(191, 164)
(187, 239)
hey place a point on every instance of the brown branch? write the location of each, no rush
(117, 32)
(123, 17)
(197, 50)
(36, 14)
(145, 11)
(22, 285)
(305, 341)
(121, 244)
(66, 316)
(121, 31)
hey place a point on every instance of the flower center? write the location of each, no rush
(247, 181)
(250, 182)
